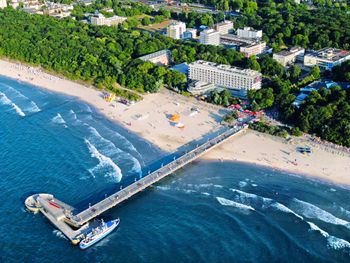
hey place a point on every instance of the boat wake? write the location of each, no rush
(6, 101)
(104, 163)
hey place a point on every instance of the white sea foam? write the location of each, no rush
(73, 114)
(58, 119)
(227, 202)
(6, 101)
(311, 211)
(163, 188)
(262, 202)
(59, 234)
(205, 193)
(242, 184)
(333, 242)
(110, 149)
(285, 209)
(104, 162)
(127, 143)
(345, 212)
(33, 107)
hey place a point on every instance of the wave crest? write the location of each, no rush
(104, 162)
(6, 101)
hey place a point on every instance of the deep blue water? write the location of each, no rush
(206, 212)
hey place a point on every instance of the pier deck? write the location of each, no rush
(118, 197)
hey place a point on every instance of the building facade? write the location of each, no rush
(253, 49)
(176, 30)
(326, 58)
(161, 58)
(3, 3)
(248, 32)
(238, 80)
(288, 57)
(190, 33)
(224, 27)
(101, 20)
(209, 37)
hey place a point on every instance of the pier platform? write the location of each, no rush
(74, 225)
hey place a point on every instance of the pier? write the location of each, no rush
(64, 216)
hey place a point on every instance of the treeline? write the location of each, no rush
(290, 24)
(286, 23)
(325, 112)
(98, 55)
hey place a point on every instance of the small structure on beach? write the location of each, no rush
(109, 97)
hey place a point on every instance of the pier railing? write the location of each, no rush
(151, 178)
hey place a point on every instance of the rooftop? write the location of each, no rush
(331, 54)
(228, 68)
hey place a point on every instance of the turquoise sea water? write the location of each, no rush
(206, 212)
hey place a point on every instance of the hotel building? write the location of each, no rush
(209, 37)
(238, 80)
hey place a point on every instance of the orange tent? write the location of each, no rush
(175, 118)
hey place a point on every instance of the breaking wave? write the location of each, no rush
(308, 210)
(311, 211)
(72, 113)
(259, 202)
(58, 119)
(333, 242)
(6, 101)
(104, 162)
(111, 149)
(33, 107)
(227, 202)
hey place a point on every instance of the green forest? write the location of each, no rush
(103, 55)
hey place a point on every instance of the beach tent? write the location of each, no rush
(109, 97)
(175, 118)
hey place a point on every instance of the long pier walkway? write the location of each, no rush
(118, 197)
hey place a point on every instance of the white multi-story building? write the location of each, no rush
(287, 57)
(248, 32)
(209, 37)
(255, 48)
(176, 30)
(100, 20)
(224, 27)
(3, 3)
(238, 80)
(326, 58)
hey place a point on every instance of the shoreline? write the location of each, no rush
(149, 119)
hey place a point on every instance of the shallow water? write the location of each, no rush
(206, 212)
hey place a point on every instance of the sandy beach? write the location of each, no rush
(149, 119)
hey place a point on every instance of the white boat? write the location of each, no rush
(99, 233)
